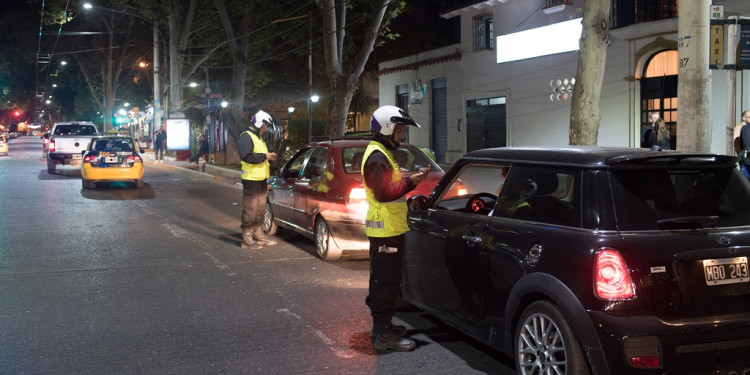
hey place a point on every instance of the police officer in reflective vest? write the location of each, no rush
(385, 223)
(255, 172)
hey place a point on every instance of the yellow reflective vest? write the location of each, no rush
(384, 219)
(260, 171)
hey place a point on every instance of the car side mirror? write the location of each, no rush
(417, 204)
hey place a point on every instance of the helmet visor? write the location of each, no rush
(404, 119)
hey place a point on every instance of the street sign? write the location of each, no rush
(716, 48)
(744, 48)
(717, 12)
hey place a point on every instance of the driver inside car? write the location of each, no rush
(514, 202)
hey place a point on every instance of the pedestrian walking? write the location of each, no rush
(160, 144)
(202, 149)
(255, 173)
(385, 223)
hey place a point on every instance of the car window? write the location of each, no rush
(352, 158)
(408, 158)
(294, 165)
(645, 197)
(316, 164)
(540, 194)
(471, 179)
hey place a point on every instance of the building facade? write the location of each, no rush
(486, 92)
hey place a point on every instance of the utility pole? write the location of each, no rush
(694, 86)
(157, 93)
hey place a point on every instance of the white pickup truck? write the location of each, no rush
(67, 140)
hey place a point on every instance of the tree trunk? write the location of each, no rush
(694, 86)
(344, 83)
(338, 106)
(175, 63)
(592, 56)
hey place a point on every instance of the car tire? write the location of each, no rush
(269, 225)
(139, 183)
(544, 339)
(51, 165)
(327, 250)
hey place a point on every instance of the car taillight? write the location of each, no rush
(356, 201)
(90, 159)
(134, 159)
(51, 146)
(611, 277)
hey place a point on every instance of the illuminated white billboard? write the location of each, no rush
(542, 41)
(178, 134)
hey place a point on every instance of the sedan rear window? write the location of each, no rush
(651, 199)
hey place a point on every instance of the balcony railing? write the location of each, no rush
(630, 12)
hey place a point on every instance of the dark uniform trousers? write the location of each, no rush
(385, 280)
(253, 203)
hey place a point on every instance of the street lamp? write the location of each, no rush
(157, 97)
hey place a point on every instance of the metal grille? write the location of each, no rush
(483, 36)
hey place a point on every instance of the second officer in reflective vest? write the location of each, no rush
(385, 224)
(255, 172)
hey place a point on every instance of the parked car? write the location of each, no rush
(3, 145)
(319, 193)
(589, 260)
(111, 158)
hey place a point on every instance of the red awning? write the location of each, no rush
(418, 64)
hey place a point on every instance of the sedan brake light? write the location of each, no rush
(611, 278)
(356, 201)
(90, 159)
(134, 159)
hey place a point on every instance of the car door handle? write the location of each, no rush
(472, 239)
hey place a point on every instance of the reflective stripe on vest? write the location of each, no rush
(260, 171)
(384, 219)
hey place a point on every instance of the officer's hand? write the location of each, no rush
(271, 156)
(416, 178)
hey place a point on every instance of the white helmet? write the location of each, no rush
(262, 117)
(385, 119)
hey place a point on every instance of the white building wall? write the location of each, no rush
(532, 118)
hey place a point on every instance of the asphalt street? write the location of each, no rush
(153, 281)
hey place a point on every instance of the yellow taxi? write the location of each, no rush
(111, 158)
(3, 145)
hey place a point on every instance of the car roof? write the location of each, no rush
(595, 156)
(346, 141)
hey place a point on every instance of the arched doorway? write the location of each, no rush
(659, 92)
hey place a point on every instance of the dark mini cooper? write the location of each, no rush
(584, 260)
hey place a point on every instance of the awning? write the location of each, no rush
(418, 64)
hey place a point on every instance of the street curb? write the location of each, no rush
(211, 172)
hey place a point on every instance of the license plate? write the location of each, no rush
(77, 156)
(726, 271)
(111, 159)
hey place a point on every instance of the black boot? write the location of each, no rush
(391, 340)
(395, 328)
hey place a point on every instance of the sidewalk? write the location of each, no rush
(200, 170)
